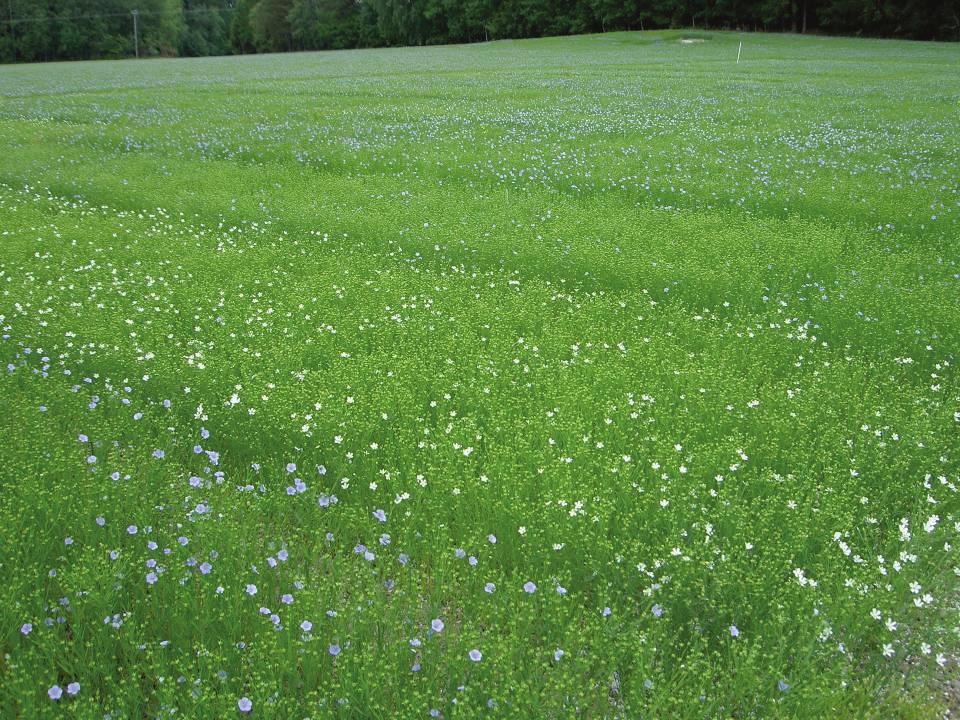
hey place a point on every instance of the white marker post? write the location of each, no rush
(738, 52)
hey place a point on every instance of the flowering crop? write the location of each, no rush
(583, 377)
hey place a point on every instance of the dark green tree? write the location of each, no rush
(207, 27)
(270, 26)
(241, 34)
(326, 24)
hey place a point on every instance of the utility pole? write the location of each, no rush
(136, 35)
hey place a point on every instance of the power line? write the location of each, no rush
(95, 16)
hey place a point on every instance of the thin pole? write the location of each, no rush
(136, 35)
(738, 52)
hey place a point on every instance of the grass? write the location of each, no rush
(671, 338)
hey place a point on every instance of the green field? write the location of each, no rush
(633, 366)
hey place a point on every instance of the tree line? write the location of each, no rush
(37, 30)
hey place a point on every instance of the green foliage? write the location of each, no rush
(270, 27)
(328, 24)
(164, 27)
(206, 30)
(81, 29)
(241, 35)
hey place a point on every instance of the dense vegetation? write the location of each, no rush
(32, 30)
(584, 377)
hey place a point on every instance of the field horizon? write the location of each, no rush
(642, 36)
(598, 376)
